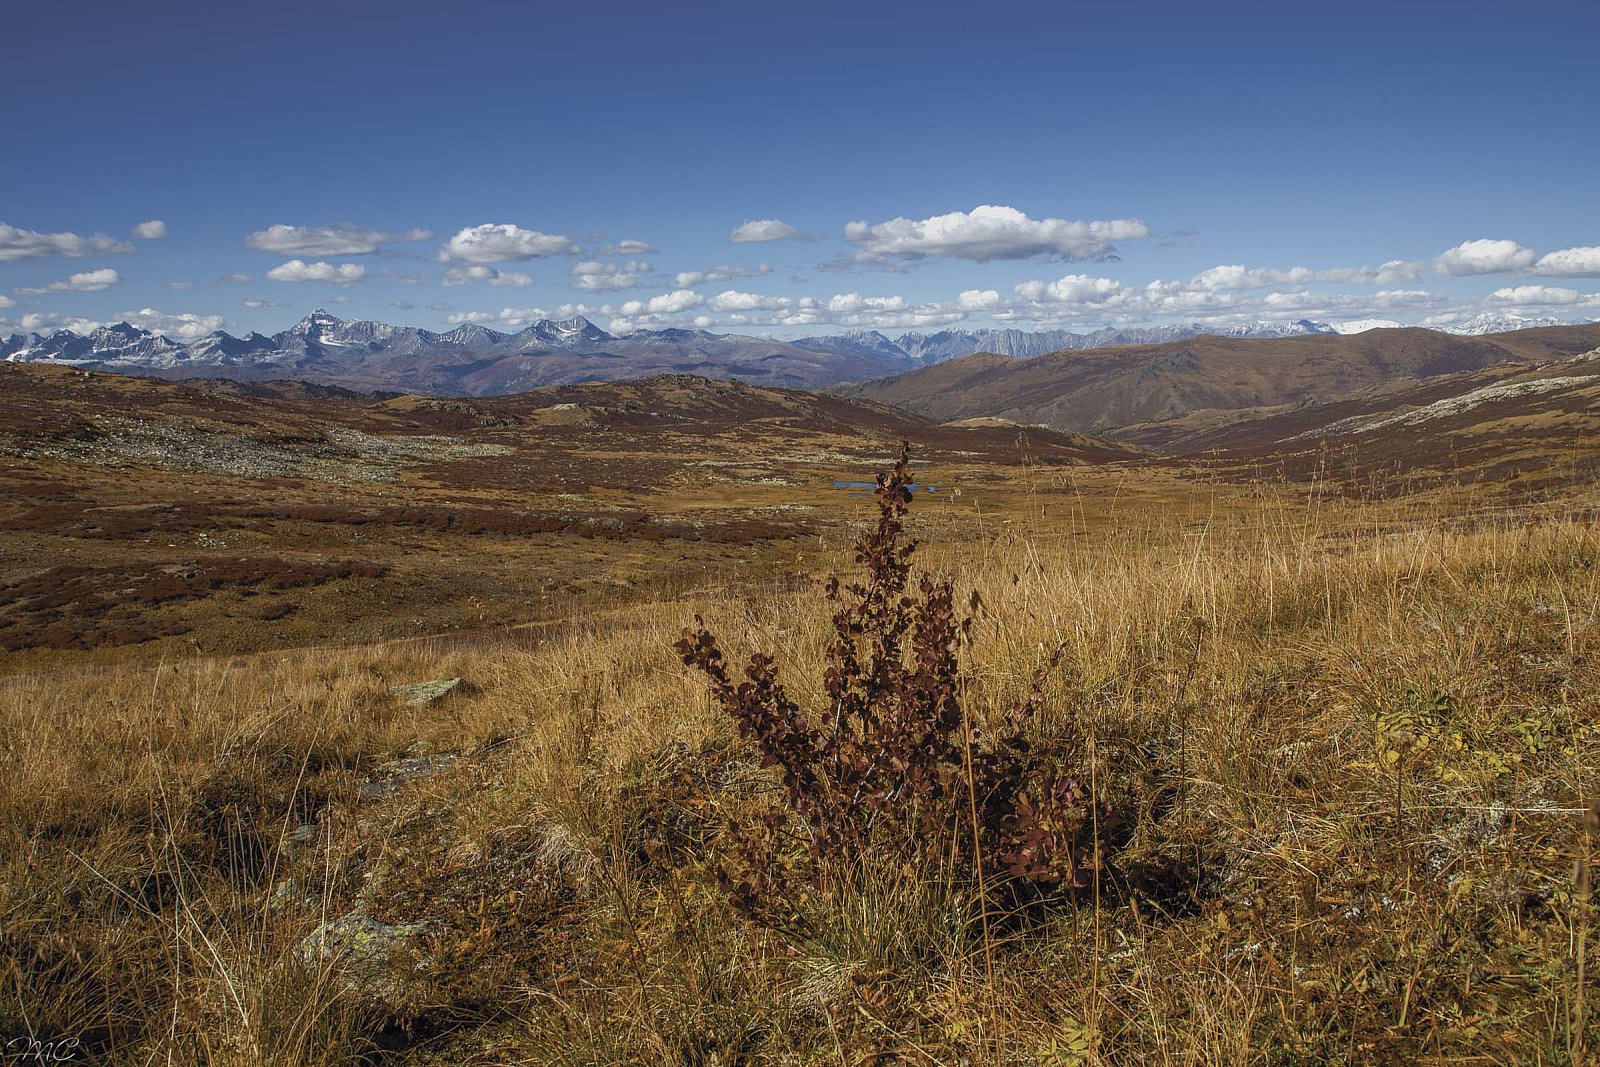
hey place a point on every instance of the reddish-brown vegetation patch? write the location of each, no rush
(78, 606)
(477, 522)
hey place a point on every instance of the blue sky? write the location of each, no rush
(1135, 163)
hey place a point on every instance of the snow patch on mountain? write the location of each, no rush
(1502, 322)
(1452, 405)
(1363, 325)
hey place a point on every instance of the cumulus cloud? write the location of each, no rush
(855, 303)
(628, 246)
(1236, 276)
(152, 230)
(735, 300)
(745, 309)
(478, 318)
(502, 242)
(40, 321)
(482, 274)
(688, 278)
(1570, 263)
(665, 304)
(1396, 271)
(1536, 295)
(6, 301)
(1484, 256)
(979, 299)
(183, 327)
(18, 243)
(297, 270)
(517, 318)
(594, 276)
(344, 239)
(92, 281)
(1222, 295)
(1075, 289)
(987, 233)
(753, 230)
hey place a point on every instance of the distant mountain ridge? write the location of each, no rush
(471, 359)
(952, 344)
(476, 360)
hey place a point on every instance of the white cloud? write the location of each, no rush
(1570, 262)
(1236, 276)
(1484, 256)
(17, 243)
(1399, 270)
(665, 304)
(855, 303)
(979, 299)
(500, 242)
(480, 273)
(721, 273)
(237, 279)
(462, 318)
(1076, 289)
(516, 318)
(734, 300)
(297, 270)
(39, 321)
(628, 246)
(184, 327)
(1221, 296)
(1536, 294)
(257, 302)
(752, 230)
(594, 276)
(344, 239)
(151, 230)
(92, 281)
(6, 301)
(989, 232)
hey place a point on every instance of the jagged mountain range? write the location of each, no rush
(474, 360)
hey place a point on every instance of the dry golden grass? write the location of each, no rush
(1358, 739)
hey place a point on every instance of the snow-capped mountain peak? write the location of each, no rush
(324, 347)
(1363, 325)
(1499, 322)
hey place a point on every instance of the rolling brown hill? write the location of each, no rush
(1100, 390)
(1526, 426)
(141, 514)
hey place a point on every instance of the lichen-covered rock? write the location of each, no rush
(397, 773)
(376, 960)
(421, 694)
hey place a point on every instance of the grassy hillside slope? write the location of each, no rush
(1341, 751)
(1103, 389)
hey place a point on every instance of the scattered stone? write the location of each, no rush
(421, 694)
(400, 772)
(377, 960)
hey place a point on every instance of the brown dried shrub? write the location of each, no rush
(897, 764)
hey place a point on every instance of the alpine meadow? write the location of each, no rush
(1024, 537)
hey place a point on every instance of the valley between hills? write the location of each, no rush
(346, 727)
